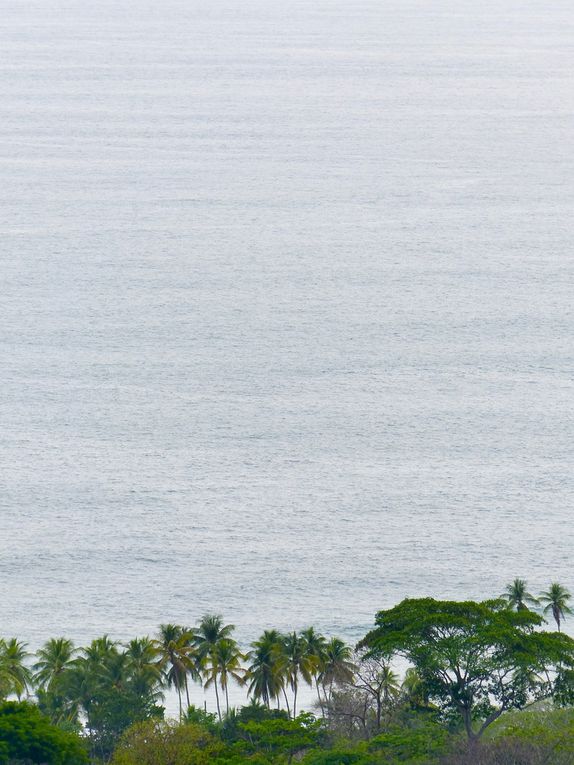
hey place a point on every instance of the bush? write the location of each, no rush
(232, 729)
(504, 752)
(339, 757)
(27, 736)
(423, 743)
(167, 743)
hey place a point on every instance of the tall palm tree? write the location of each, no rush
(5, 682)
(338, 667)
(115, 671)
(209, 632)
(100, 651)
(176, 659)
(98, 665)
(224, 663)
(517, 595)
(315, 645)
(98, 660)
(61, 708)
(299, 662)
(144, 666)
(16, 677)
(53, 659)
(265, 673)
(555, 600)
(206, 636)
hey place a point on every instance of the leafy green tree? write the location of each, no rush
(26, 736)
(420, 744)
(278, 736)
(167, 743)
(200, 716)
(339, 756)
(477, 660)
(555, 601)
(231, 730)
(15, 676)
(266, 672)
(113, 710)
(552, 729)
(517, 596)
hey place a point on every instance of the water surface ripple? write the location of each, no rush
(286, 324)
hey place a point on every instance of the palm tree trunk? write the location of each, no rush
(295, 699)
(179, 699)
(217, 699)
(319, 697)
(286, 702)
(226, 699)
(187, 692)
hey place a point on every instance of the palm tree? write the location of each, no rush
(61, 708)
(265, 674)
(176, 658)
(115, 671)
(389, 684)
(99, 664)
(5, 681)
(206, 636)
(100, 651)
(413, 689)
(338, 667)
(15, 677)
(75, 690)
(315, 645)
(144, 666)
(517, 595)
(299, 662)
(224, 662)
(209, 632)
(556, 601)
(53, 659)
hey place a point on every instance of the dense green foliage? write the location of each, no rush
(27, 736)
(471, 668)
(476, 660)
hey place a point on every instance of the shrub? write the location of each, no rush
(27, 736)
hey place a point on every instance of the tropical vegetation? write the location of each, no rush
(434, 681)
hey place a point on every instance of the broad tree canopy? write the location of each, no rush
(477, 660)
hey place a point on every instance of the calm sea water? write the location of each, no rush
(286, 309)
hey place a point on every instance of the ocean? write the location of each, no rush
(286, 309)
